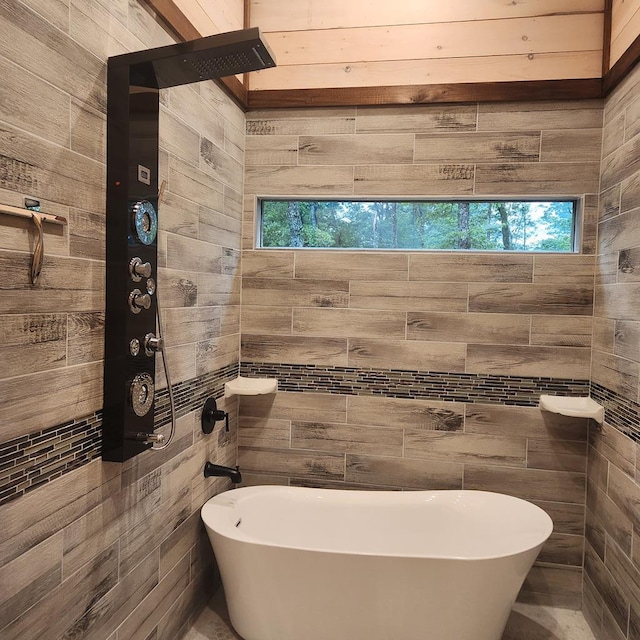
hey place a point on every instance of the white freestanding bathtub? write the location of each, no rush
(322, 564)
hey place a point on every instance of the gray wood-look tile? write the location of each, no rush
(404, 354)
(543, 115)
(571, 145)
(212, 289)
(53, 56)
(408, 296)
(613, 135)
(120, 602)
(465, 448)
(71, 600)
(547, 362)
(609, 204)
(286, 292)
(478, 147)
(341, 438)
(300, 126)
(561, 331)
(625, 493)
(294, 349)
(73, 391)
(266, 320)
(348, 323)
(29, 578)
(589, 225)
(182, 364)
(554, 299)
(88, 131)
(188, 254)
(280, 180)
(216, 353)
(463, 267)
(615, 599)
(32, 343)
(563, 549)
(554, 586)
(374, 266)
(264, 432)
(626, 339)
(557, 455)
(529, 484)
(300, 463)
(620, 165)
(49, 119)
(149, 612)
(69, 284)
(215, 161)
(272, 264)
(178, 288)
(416, 414)
(193, 184)
(604, 335)
(178, 215)
(178, 139)
(613, 445)
(355, 149)
(85, 337)
(272, 149)
(413, 180)
(191, 324)
(537, 178)
(610, 518)
(494, 328)
(529, 422)
(48, 171)
(618, 374)
(420, 119)
(86, 234)
(559, 269)
(305, 407)
(402, 472)
(567, 518)
(187, 105)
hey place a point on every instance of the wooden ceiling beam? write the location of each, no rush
(426, 94)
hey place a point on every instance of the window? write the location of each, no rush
(476, 225)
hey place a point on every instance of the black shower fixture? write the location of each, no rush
(133, 84)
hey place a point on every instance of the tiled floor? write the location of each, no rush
(527, 622)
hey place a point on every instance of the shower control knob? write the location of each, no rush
(139, 300)
(152, 344)
(139, 269)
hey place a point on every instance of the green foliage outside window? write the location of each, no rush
(446, 225)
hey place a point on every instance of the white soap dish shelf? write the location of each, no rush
(580, 407)
(250, 386)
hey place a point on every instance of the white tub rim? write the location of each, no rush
(229, 527)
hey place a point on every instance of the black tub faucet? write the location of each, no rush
(211, 469)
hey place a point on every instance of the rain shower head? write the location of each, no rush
(224, 54)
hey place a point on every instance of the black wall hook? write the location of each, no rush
(211, 414)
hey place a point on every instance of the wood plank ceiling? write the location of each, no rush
(331, 52)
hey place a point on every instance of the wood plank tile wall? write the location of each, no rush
(612, 563)
(511, 314)
(107, 548)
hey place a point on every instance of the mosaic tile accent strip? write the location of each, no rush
(619, 412)
(31, 460)
(455, 387)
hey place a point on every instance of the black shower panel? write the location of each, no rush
(132, 263)
(133, 84)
